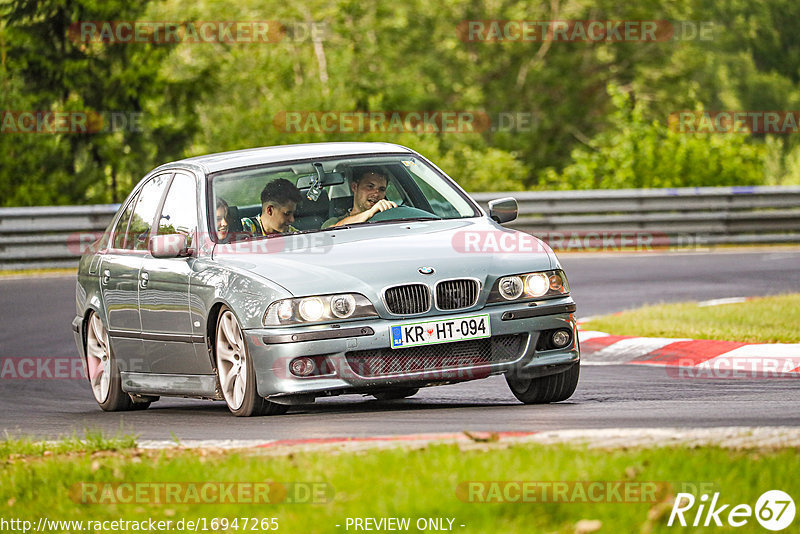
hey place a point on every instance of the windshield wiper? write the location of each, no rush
(408, 219)
(356, 225)
(344, 226)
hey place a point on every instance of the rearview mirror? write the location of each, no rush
(503, 210)
(330, 178)
(169, 246)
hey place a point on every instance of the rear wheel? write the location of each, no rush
(545, 389)
(104, 377)
(237, 379)
(395, 393)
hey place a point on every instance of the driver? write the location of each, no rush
(369, 197)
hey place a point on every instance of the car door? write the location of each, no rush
(119, 274)
(167, 329)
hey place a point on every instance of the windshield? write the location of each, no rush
(320, 195)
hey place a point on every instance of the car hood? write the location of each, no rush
(367, 259)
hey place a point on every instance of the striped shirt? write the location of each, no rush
(253, 226)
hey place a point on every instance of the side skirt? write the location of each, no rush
(200, 386)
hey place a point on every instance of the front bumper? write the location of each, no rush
(77, 334)
(272, 350)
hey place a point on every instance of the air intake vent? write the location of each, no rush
(410, 299)
(457, 294)
(438, 358)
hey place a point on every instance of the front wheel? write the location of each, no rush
(545, 389)
(104, 377)
(237, 379)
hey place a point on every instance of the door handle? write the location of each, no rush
(106, 277)
(143, 279)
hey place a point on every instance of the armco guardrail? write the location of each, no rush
(49, 237)
(695, 217)
(43, 237)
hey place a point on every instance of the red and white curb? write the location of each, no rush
(716, 359)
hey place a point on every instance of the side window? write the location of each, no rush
(179, 215)
(145, 212)
(120, 231)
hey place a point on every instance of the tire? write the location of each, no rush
(104, 377)
(237, 379)
(545, 389)
(395, 393)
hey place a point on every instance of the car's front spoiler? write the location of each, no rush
(272, 350)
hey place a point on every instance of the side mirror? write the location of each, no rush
(169, 246)
(503, 210)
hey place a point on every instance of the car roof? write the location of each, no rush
(275, 154)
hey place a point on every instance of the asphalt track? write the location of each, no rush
(35, 315)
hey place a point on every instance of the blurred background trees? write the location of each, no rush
(597, 111)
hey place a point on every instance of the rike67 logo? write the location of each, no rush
(774, 510)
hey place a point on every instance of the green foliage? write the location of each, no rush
(761, 320)
(402, 56)
(489, 169)
(92, 441)
(782, 162)
(426, 481)
(45, 68)
(634, 153)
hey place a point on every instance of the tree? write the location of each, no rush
(50, 69)
(636, 153)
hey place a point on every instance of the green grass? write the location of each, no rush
(761, 320)
(92, 441)
(402, 483)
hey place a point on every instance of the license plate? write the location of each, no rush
(432, 332)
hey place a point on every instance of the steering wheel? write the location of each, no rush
(401, 212)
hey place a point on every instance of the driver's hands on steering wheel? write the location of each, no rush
(381, 205)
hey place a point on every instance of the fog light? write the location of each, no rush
(302, 366)
(561, 338)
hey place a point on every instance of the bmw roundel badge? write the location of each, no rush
(425, 270)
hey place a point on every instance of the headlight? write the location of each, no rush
(343, 306)
(318, 309)
(544, 284)
(537, 284)
(311, 309)
(511, 287)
